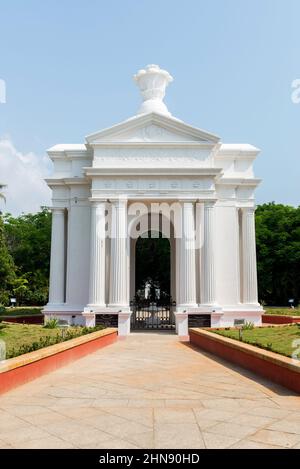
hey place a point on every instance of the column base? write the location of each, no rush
(94, 307)
(118, 308)
(124, 316)
(89, 319)
(186, 307)
(124, 323)
(182, 326)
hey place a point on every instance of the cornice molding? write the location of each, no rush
(67, 181)
(213, 172)
(223, 181)
(145, 144)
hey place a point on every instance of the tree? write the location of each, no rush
(7, 267)
(28, 241)
(278, 253)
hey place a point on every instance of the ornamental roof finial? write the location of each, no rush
(152, 82)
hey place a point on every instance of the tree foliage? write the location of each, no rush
(28, 240)
(278, 253)
(7, 266)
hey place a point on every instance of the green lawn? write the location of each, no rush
(277, 339)
(19, 338)
(282, 311)
(21, 311)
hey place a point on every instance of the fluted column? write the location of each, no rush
(57, 263)
(249, 256)
(119, 295)
(208, 271)
(97, 255)
(187, 268)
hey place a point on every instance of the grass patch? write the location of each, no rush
(276, 339)
(282, 311)
(24, 338)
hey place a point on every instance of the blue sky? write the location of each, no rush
(68, 69)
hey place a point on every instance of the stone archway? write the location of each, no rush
(153, 267)
(141, 225)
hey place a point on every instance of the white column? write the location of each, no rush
(57, 262)
(187, 267)
(97, 255)
(119, 294)
(249, 273)
(208, 274)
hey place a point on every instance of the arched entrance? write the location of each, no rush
(153, 267)
(152, 279)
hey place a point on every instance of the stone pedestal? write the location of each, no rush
(182, 327)
(124, 323)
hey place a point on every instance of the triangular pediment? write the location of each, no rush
(152, 128)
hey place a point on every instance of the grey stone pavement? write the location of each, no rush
(150, 391)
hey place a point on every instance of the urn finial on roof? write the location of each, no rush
(152, 82)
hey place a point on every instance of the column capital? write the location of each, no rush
(58, 210)
(118, 200)
(248, 209)
(95, 202)
(187, 201)
(209, 203)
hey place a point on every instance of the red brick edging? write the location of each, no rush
(277, 368)
(20, 370)
(277, 319)
(32, 319)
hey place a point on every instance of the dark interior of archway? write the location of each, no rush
(152, 266)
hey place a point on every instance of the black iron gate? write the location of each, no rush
(148, 314)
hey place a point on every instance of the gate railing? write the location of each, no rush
(148, 314)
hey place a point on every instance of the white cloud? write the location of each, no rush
(24, 176)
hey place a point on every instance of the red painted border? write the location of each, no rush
(277, 319)
(268, 369)
(23, 374)
(33, 319)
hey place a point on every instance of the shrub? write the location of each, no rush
(51, 323)
(4, 298)
(248, 326)
(2, 309)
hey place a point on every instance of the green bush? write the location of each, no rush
(4, 298)
(2, 309)
(51, 323)
(248, 326)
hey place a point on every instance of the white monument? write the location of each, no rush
(153, 171)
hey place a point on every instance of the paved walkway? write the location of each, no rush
(150, 391)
